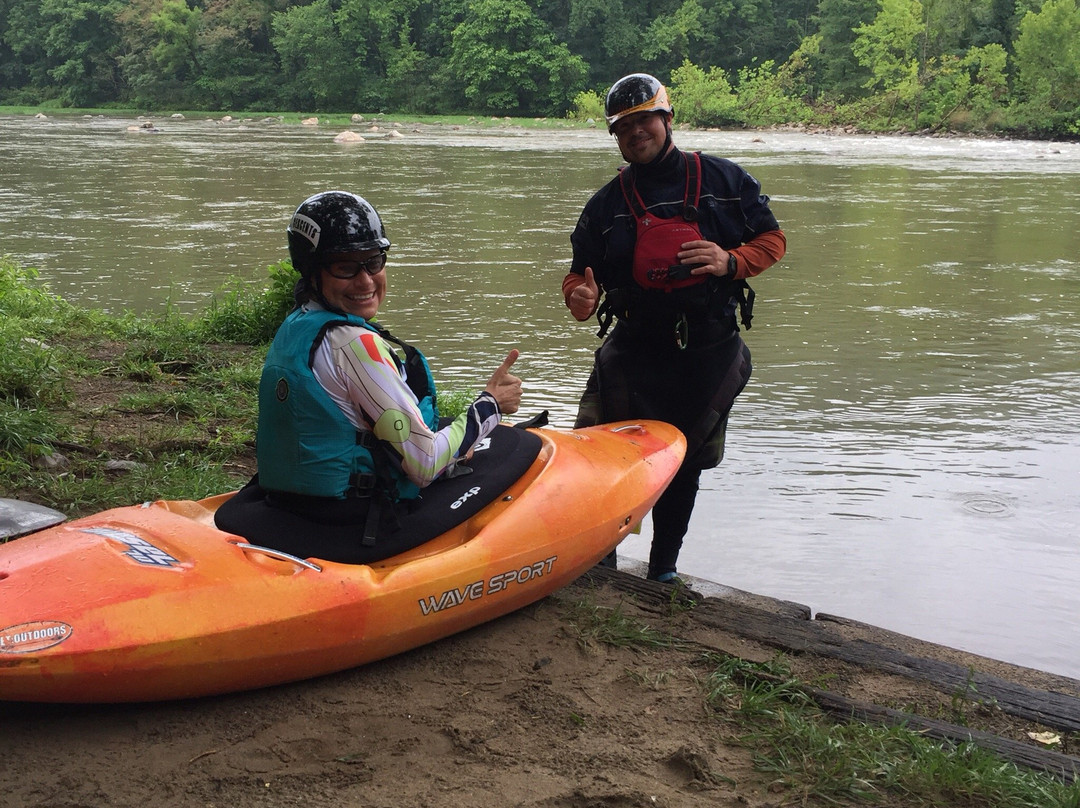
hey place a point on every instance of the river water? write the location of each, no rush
(907, 453)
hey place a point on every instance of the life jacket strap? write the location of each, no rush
(693, 182)
(616, 303)
(745, 297)
(377, 487)
(604, 315)
(371, 522)
(416, 375)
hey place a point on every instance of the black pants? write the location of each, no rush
(671, 513)
(671, 519)
(693, 389)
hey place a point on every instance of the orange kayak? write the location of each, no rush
(153, 602)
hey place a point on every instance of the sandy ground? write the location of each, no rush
(516, 712)
(523, 711)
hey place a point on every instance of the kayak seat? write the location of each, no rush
(332, 530)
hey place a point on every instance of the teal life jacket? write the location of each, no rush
(305, 444)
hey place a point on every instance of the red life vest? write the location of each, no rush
(656, 263)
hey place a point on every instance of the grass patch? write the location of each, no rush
(813, 759)
(825, 762)
(601, 625)
(176, 395)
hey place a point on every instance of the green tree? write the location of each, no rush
(239, 65)
(951, 25)
(176, 26)
(160, 61)
(988, 82)
(674, 37)
(604, 33)
(1048, 64)
(889, 47)
(383, 38)
(837, 72)
(81, 40)
(429, 85)
(745, 32)
(966, 93)
(435, 23)
(702, 98)
(729, 34)
(69, 48)
(23, 64)
(999, 25)
(405, 65)
(508, 63)
(769, 95)
(318, 72)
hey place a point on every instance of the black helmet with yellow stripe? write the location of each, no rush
(638, 92)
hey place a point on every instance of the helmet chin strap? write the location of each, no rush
(309, 288)
(316, 288)
(665, 148)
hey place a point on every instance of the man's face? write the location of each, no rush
(641, 136)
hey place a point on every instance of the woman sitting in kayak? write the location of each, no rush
(349, 431)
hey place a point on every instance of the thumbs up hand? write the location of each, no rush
(505, 386)
(582, 300)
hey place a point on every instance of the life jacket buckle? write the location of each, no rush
(362, 485)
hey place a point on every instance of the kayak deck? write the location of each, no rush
(154, 602)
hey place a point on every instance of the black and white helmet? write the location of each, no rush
(333, 222)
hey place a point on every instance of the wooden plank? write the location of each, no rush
(1053, 709)
(838, 638)
(1056, 710)
(1064, 767)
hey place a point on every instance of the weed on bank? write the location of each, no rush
(99, 411)
(171, 401)
(812, 758)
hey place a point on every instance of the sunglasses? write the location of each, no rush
(350, 269)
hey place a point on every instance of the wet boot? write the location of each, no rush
(671, 518)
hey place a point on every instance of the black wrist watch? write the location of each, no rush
(732, 265)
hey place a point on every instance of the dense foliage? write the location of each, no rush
(968, 65)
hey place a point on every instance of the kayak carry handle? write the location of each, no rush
(280, 556)
(628, 427)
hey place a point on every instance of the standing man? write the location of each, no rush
(664, 249)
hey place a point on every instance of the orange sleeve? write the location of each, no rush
(756, 255)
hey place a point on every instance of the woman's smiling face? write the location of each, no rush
(361, 294)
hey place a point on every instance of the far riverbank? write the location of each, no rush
(477, 122)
